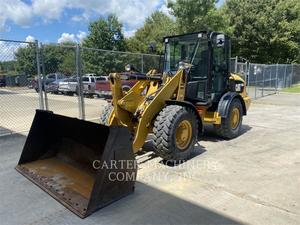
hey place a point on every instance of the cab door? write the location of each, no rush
(197, 89)
(220, 65)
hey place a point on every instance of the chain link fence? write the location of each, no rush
(100, 63)
(264, 79)
(70, 79)
(60, 78)
(17, 100)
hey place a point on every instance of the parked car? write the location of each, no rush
(2, 81)
(49, 79)
(68, 86)
(53, 86)
(89, 85)
(103, 85)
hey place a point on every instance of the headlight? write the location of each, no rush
(128, 68)
(181, 65)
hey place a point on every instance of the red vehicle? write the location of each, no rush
(103, 85)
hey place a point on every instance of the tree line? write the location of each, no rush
(262, 31)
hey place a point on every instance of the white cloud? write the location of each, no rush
(83, 17)
(2, 22)
(66, 37)
(81, 35)
(165, 9)
(30, 38)
(49, 9)
(131, 13)
(16, 11)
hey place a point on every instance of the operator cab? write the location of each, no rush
(206, 56)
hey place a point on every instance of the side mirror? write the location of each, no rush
(130, 68)
(220, 40)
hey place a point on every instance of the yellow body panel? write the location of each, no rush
(147, 98)
(152, 108)
(212, 118)
(244, 95)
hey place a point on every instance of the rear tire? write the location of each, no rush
(105, 114)
(230, 127)
(175, 133)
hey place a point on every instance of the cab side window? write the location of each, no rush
(200, 66)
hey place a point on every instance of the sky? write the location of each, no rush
(57, 21)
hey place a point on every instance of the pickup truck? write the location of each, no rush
(68, 86)
(52, 77)
(103, 85)
(89, 85)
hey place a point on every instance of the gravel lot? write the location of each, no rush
(253, 179)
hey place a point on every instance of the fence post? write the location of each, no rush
(292, 74)
(263, 79)
(236, 64)
(255, 87)
(41, 100)
(44, 76)
(284, 78)
(270, 80)
(142, 61)
(79, 84)
(247, 73)
(276, 81)
(248, 78)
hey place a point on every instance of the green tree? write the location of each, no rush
(265, 31)
(103, 34)
(67, 66)
(56, 58)
(59, 58)
(26, 60)
(157, 26)
(196, 15)
(8, 68)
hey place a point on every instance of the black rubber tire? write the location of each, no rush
(224, 130)
(165, 130)
(105, 114)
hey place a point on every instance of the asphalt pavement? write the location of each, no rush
(252, 179)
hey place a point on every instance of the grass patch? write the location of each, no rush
(293, 89)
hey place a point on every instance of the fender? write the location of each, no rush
(225, 101)
(191, 106)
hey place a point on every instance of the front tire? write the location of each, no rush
(230, 127)
(175, 133)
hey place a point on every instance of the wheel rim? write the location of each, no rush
(235, 118)
(183, 134)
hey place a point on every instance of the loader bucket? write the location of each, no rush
(83, 165)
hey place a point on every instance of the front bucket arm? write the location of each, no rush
(153, 107)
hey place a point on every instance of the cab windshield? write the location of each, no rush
(179, 49)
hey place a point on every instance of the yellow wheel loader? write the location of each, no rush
(86, 166)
